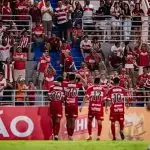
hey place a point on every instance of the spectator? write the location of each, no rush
(116, 13)
(101, 23)
(22, 9)
(9, 70)
(84, 71)
(2, 85)
(143, 56)
(20, 59)
(96, 45)
(107, 8)
(49, 78)
(31, 94)
(43, 64)
(117, 48)
(115, 62)
(77, 15)
(127, 21)
(41, 3)
(68, 62)
(55, 42)
(69, 16)
(103, 79)
(6, 10)
(38, 32)
(91, 62)
(130, 62)
(85, 46)
(131, 5)
(13, 28)
(137, 20)
(77, 34)
(47, 13)
(20, 93)
(65, 47)
(4, 49)
(24, 41)
(88, 11)
(61, 13)
(35, 13)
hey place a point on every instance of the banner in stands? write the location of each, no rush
(33, 123)
(25, 123)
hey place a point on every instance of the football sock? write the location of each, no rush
(113, 130)
(90, 127)
(53, 127)
(121, 125)
(72, 129)
(68, 129)
(99, 129)
(57, 127)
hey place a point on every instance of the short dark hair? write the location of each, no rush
(96, 80)
(60, 79)
(72, 77)
(116, 80)
(117, 43)
(30, 81)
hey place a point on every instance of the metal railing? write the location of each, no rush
(41, 97)
(20, 22)
(122, 29)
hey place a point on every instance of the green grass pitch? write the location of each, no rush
(74, 145)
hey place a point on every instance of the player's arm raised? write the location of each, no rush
(84, 81)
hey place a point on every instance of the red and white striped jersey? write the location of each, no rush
(61, 14)
(24, 41)
(8, 71)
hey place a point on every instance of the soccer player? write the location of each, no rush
(117, 97)
(71, 88)
(56, 95)
(95, 95)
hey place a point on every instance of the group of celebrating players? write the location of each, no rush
(65, 91)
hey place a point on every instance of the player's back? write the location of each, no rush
(56, 93)
(96, 93)
(117, 94)
(71, 90)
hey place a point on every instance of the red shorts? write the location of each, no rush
(71, 111)
(117, 117)
(98, 116)
(56, 109)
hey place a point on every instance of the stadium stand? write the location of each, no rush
(97, 33)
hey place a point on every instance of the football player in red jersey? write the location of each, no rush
(71, 88)
(95, 95)
(117, 96)
(56, 96)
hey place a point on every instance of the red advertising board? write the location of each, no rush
(25, 123)
(33, 123)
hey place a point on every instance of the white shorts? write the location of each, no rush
(129, 66)
(18, 73)
(41, 76)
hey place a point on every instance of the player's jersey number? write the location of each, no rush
(56, 95)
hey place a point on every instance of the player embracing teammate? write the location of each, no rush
(67, 92)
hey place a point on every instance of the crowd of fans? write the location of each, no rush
(129, 60)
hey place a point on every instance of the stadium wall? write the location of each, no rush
(33, 123)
